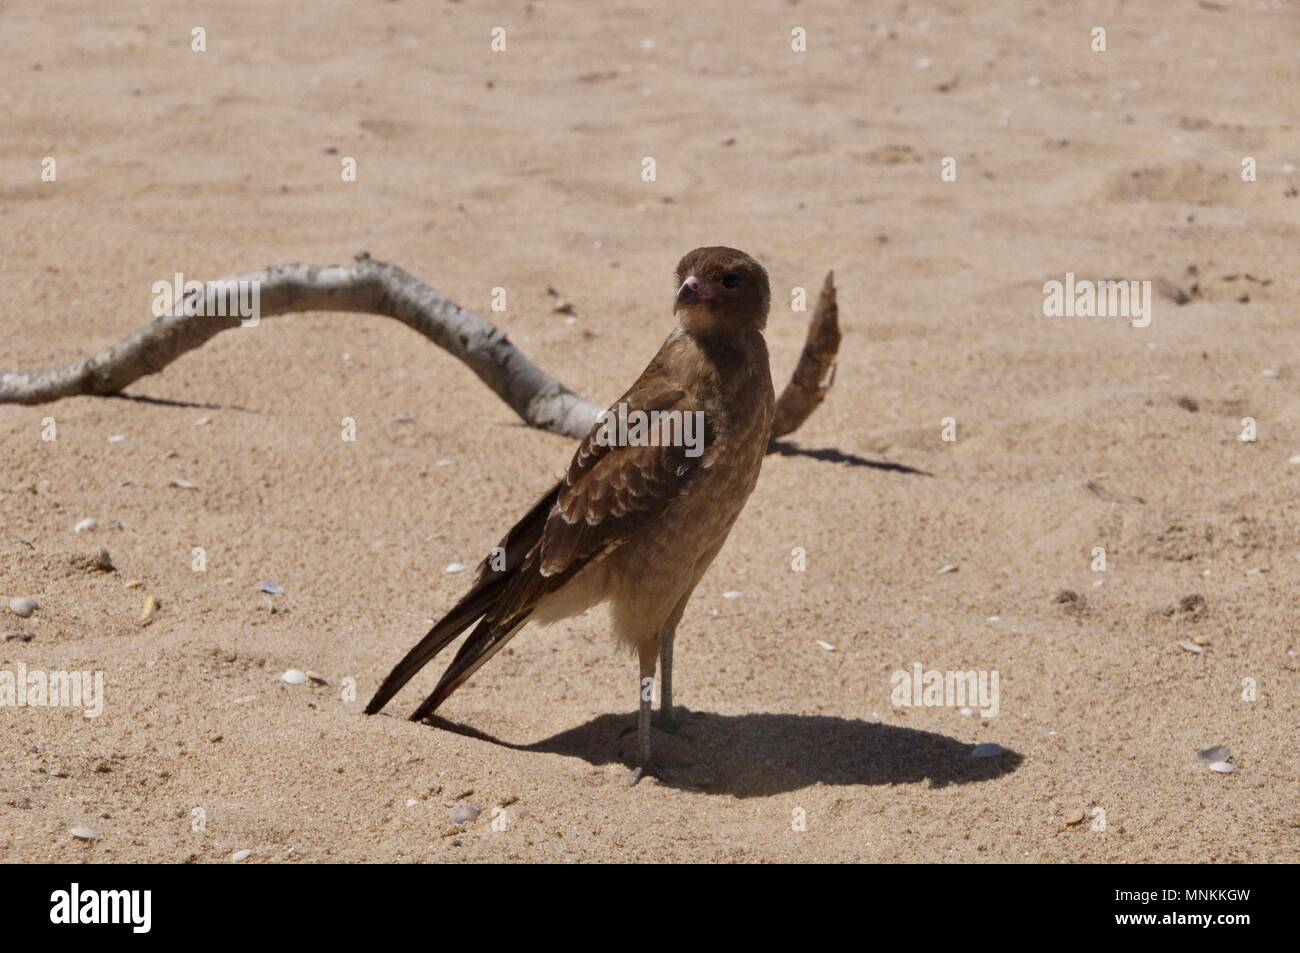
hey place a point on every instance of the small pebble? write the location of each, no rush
(411, 802)
(464, 813)
(445, 462)
(203, 421)
(104, 561)
(84, 833)
(732, 594)
(1074, 817)
(133, 584)
(1222, 767)
(241, 855)
(18, 636)
(1190, 646)
(316, 677)
(986, 749)
(23, 606)
(88, 523)
(293, 676)
(183, 483)
(943, 570)
(148, 610)
(1295, 460)
(454, 567)
(826, 646)
(271, 588)
(116, 438)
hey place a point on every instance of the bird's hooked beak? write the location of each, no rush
(691, 292)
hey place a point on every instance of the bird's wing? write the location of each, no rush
(610, 493)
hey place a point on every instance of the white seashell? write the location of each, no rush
(240, 855)
(986, 749)
(87, 524)
(454, 567)
(23, 606)
(183, 483)
(116, 438)
(294, 676)
(84, 833)
(947, 568)
(732, 594)
(411, 802)
(1222, 767)
(464, 813)
(1190, 646)
(826, 645)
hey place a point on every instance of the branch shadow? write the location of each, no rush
(831, 455)
(759, 755)
(169, 402)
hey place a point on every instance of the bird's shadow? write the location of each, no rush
(759, 755)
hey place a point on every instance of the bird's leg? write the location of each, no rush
(666, 719)
(646, 687)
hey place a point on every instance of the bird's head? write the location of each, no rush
(721, 291)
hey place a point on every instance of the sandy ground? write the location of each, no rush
(522, 169)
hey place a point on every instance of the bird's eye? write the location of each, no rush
(730, 279)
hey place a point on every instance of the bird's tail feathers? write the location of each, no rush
(488, 638)
(475, 603)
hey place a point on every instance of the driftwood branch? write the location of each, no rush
(373, 287)
(815, 372)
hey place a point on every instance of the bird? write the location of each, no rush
(641, 512)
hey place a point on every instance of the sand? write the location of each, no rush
(521, 170)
